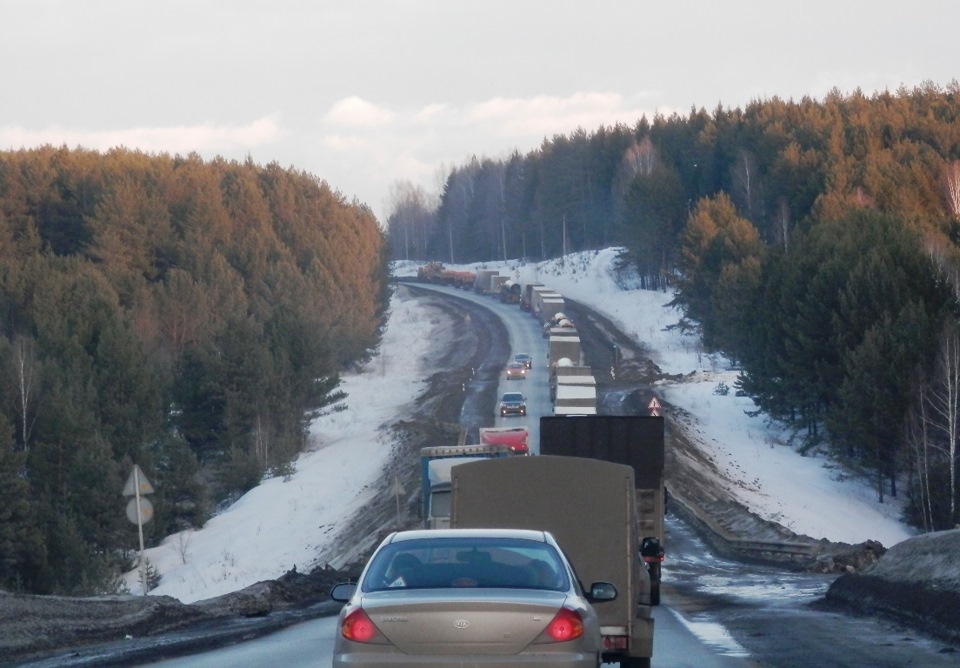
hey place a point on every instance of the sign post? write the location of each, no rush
(139, 511)
(654, 407)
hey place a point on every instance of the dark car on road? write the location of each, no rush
(513, 403)
(524, 359)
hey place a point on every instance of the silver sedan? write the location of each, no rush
(498, 597)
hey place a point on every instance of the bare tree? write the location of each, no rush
(783, 223)
(943, 400)
(918, 436)
(639, 158)
(461, 189)
(938, 252)
(26, 372)
(951, 182)
(410, 221)
(744, 177)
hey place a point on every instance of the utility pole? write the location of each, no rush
(564, 236)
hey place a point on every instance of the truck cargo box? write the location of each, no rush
(590, 508)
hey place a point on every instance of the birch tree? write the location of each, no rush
(943, 400)
(951, 182)
(26, 375)
(918, 437)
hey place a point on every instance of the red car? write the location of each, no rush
(516, 371)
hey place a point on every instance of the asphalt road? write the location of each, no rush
(524, 335)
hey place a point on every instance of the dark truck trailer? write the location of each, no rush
(634, 440)
(590, 508)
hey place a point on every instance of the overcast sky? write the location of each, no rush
(365, 93)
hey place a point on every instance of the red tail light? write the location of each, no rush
(358, 627)
(566, 625)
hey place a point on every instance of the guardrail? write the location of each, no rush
(725, 541)
(779, 547)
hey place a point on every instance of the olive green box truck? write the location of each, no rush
(590, 507)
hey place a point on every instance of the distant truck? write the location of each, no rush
(575, 399)
(549, 307)
(435, 465)
(565, 372)
(496, 281)
(539, 298)
(590, 507)
(575, 391)
(464, 280)
(561, 347)
(558, 323)
(636, 441)
(536, 298)
(526, 299)
(510, 292)
(482, 282)
(430, 272)
(517, 439)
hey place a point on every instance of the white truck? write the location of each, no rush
(526, 300)
(575, 400)
(550, 306)
(561, 347)
(481, 284)
(435, 465)
(538, 293)
(565, 373)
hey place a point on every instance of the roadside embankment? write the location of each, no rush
(916, 582)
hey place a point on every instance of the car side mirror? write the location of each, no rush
(602, 591)
(343, 592)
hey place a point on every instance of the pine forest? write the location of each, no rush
(188, 317)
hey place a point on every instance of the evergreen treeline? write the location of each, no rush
(814, 242)
(186, 316)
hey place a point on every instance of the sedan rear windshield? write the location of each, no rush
(467, 562)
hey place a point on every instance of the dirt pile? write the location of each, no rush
(32, 627)
(916, 582)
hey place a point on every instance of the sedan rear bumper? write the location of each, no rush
(553, 659)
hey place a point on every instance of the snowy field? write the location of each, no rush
(286, 522)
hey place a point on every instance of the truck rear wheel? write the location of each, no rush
(635, 662)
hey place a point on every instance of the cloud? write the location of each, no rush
(371, 146)
(503, 122)
(429, 113)
(357, 112)
(204, 138)
(551, 114)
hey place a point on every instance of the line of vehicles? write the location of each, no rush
(573, 386)
(540, 560)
